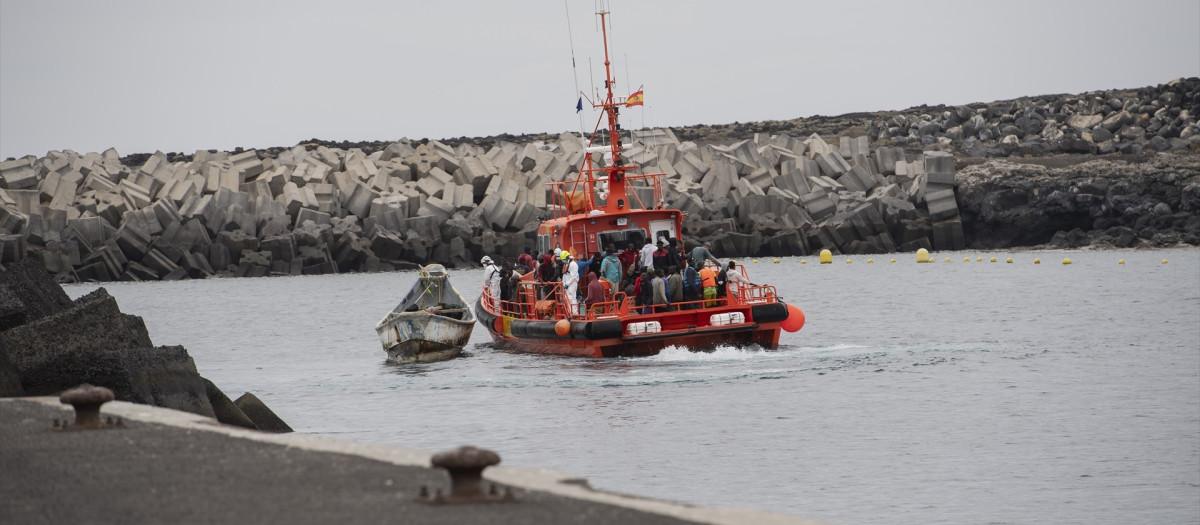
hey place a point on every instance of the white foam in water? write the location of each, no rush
(675, 354)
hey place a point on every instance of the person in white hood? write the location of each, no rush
(570, 280)
(491, 277)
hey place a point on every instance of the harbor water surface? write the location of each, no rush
(946, 393)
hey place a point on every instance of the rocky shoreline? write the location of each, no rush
(1114, 168)
(49, 344)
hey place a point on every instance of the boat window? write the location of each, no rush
(619, 238)
(543, 243)
(662, 229)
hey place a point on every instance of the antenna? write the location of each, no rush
(574, 70)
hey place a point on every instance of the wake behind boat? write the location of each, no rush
(610, 204)
(432, 323)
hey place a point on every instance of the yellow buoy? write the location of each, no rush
(1037, 261)
(893, 260)
(993, 259)
(966, 259)
(776, 260)
(979, 259)
(848, 261)
(923, 256)
(947, 259)
(755, 261)
(802, 261)
(869, 261)
(1164, 261)
(1067, 260)
(826, 257)
(1120, 261)
(1009, 260)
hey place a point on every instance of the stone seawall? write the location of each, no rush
(1112, 168)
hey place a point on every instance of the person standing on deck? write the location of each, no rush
(700, 254)
(659, 298)
(674, 253)
(675, 286)
(570, 280)
(546, 275)
(646, 291)
(610, 269)
(662, 257)
(629, 258)
(691, 286)
(595, 295)
(708, 284)
(647, 260)
(491, 277)
(734, 281)
(507, 292)
(594, 265)
(526, 260)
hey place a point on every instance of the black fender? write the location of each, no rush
(534, 329)
(485, 317)
(769, 313)
(606, 329)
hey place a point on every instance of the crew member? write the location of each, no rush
(491, 277)
(570, 280)
(701, 253)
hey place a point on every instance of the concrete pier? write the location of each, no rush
(166, 466)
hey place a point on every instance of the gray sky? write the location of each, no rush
(154, 75)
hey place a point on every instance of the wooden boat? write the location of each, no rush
(611, 202)
(432, 323)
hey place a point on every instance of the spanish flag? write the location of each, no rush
(634, 100)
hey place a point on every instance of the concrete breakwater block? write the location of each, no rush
(258, 412)
(900, 162)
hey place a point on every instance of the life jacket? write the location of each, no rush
(708, 278)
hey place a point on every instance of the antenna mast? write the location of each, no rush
(617, 198)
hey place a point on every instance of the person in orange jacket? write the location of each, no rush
(708, 280)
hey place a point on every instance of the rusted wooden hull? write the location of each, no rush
(432, 323)
(413, 337)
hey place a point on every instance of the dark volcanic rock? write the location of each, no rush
(1025, 204)
(59, 344)
(93, 342)
(26, 294)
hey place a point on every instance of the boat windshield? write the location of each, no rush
(618, 239)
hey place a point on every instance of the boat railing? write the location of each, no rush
(754, 293)
(534, 300)
(561, 203)
(537, 300)
(546, 301)
(619, 305)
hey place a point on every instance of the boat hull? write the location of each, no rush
(606, 338)
(418, 337)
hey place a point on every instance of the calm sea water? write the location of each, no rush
(950, 393)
